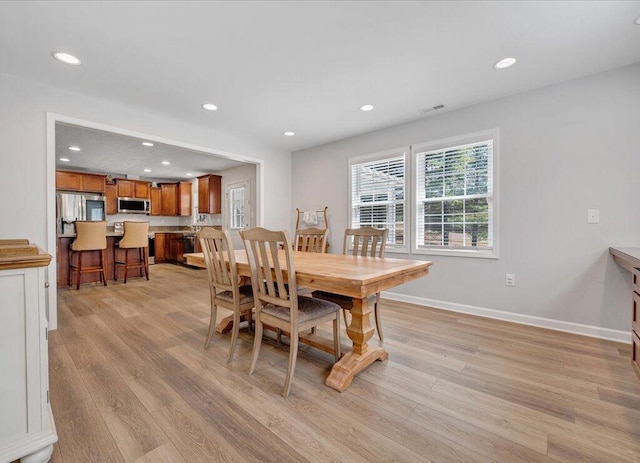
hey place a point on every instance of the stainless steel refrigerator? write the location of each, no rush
(77, 206)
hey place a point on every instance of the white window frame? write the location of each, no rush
(393, 153)
(492, 134)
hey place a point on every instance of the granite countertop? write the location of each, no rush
(159, 229)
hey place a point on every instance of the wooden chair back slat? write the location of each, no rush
(269, 275)
(311, 239)
(221, 269)
(366, 241)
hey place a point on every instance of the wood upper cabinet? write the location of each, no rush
(169, 198)
(79, 181)
(210, 194)
(184, 199)
(155, 194)
(133, 188)
(111, 192)
(142, 190)
(125, 188)
(68, 180)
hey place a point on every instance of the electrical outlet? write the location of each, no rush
(593, 216)
(510, 279)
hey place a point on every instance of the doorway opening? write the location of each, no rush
(114, 151)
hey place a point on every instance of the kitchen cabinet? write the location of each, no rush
(629, 258)
(161, 247)
(79, 181)
(184, 199)
(26, 422)
(210, 194)
(176, 247)
(156, 200)
(169, 198)
(111, 193)
(128, 188)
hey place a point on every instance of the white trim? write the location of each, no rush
(52, 240)
(52, 118)
(470, 138)
(549, 323)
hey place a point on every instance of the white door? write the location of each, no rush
(238, 196)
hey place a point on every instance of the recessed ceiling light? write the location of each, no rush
(66, 58)
(505, 63)
(189, 174)
(64, 159)
(366, 107)
(166, 163)
(147, 143)
(74, 148)
(210, 107)
(147, 170)
(289, 134)
(637, 21)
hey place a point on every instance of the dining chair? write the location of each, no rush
(365, 242)
(90, 236)
(224, 283)
(136, 237)
(311, 239)
(275, 293)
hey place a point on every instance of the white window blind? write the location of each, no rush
(455, 197)
(378, 197)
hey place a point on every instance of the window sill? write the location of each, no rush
(492, 254)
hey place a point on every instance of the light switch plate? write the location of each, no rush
(593, 216)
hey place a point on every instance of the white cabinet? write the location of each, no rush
(27, 431)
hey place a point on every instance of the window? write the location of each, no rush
(378, 195)
(455, 209)
(238, 196)
(451, 186)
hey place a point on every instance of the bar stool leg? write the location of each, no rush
(79, 270)
(126, 264)
(102, 265)
(146, 262)
(71, 253)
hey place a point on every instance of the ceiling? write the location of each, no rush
(307, 67)
(120, 155)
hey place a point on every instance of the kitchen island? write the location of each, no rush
(169, 246)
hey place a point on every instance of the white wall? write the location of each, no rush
(563, 149)
(23, 155)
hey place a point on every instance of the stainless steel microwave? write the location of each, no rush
(133, 206)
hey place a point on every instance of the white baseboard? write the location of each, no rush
(558, 325)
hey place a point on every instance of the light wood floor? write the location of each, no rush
(130, 381)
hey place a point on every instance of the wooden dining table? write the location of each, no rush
(358, 277)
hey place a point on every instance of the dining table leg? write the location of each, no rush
(359, 331)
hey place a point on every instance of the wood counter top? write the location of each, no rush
(628, 258)
(20, 254)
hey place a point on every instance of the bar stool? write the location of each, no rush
(90, 236)
(136, 236)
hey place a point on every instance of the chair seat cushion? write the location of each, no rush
(246, 295)
(343, 301)
(308, 308)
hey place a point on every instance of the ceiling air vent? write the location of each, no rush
(434, 108)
